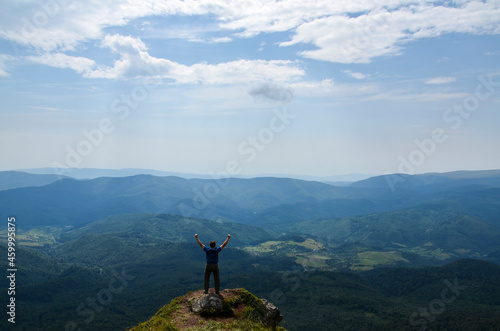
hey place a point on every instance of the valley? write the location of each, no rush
(360, 256)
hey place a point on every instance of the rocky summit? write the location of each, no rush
(232, 309)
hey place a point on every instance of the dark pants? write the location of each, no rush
(209, 268)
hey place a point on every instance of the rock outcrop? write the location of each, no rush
(208, 304)
(268, 313)
(232, 309)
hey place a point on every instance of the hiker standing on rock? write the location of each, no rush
(212, 262)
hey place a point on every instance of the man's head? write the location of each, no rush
(212, 244)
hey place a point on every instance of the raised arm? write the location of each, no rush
(199, 242)
(225, 242)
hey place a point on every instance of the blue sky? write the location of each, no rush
(251, 87)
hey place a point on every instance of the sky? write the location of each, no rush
(249, 87)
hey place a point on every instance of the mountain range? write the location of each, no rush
(364, 255)
(442, 209)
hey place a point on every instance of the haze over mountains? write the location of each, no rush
(91, 173)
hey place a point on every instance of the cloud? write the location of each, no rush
(54, 26)
(240, 71)
(422, 97)
(135, 62)
(346, 32)
(272, 92)
(64, 25)
(441, 80)
(492, 53)
(3, 64)
(345, 39)
(325, 87)
(63, 61)
(382, 32)
(51, 109)
(380, 29)
(356, 75)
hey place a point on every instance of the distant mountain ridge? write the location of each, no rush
(92, 173)
(261, 201)
(27, 177)
(432, 182)
(78, 202)
(15, 179)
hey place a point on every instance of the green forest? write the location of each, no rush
(115, 280)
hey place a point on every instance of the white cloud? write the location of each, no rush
(422, 97)
(342, 31)
(441, 80)
(381, 32)
(239, 71)
(135, 61)
(357, 75)
(326, 87)
(3, 65)
(63, 61)
(348, 40)
(64, 25)
(50, 109)
(219, 40)
(492, 53)
(53, 26)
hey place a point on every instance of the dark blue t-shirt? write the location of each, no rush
(212, 254)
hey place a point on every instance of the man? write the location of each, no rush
(212, 262)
